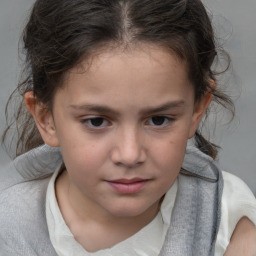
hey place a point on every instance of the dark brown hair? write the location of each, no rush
(61, 33)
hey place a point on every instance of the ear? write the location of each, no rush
(43, 119)
(200, 108)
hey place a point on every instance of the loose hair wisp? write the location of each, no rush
(62, 33)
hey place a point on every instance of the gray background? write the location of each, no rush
(235, 23)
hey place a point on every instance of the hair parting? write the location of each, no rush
(62, 33)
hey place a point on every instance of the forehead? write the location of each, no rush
(149, 55)
(134, 74)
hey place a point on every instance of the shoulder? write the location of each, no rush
(237, 201)
(23, 184)
(243, 239)
(22, 215)
(23, 187)
(234, 184)
(22, 202)
(33, 165)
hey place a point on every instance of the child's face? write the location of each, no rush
(123, 127)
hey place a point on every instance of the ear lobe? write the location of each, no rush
(43, 119)
(199, 110)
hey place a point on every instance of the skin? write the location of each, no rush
(126, 119)
(243, 240)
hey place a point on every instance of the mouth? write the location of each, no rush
(128, 186)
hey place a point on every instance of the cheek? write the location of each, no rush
(79, 147)
(172, 148)
(169, 156)
(83, 157)
(82, 165)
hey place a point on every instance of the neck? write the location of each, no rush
(93, 227)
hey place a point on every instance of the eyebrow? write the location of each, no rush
(94, 108)
(146, 111)
(164, 107)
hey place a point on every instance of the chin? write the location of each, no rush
(129, 211)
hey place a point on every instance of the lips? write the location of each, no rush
(128, 186)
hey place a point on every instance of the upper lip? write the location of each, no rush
(128, 181)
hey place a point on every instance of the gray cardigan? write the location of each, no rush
(23, 229)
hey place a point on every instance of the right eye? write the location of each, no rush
(159, 121)
(96, 122)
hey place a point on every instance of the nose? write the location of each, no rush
(128, 150)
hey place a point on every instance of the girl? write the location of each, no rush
(114, 90)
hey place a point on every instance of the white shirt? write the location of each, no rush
(237, 201)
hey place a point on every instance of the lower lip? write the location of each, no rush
(128, 188)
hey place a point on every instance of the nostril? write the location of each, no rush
(129, 158)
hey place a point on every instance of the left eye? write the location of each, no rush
(159, 120)
(96, 122)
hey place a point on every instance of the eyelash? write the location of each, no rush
(88, 122)
(103, 122)
(166, 120)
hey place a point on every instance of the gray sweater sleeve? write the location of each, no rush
(23, 185)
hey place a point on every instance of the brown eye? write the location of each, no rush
(159, 121)
(96, 122)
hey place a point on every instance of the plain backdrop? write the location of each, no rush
(234, 21)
